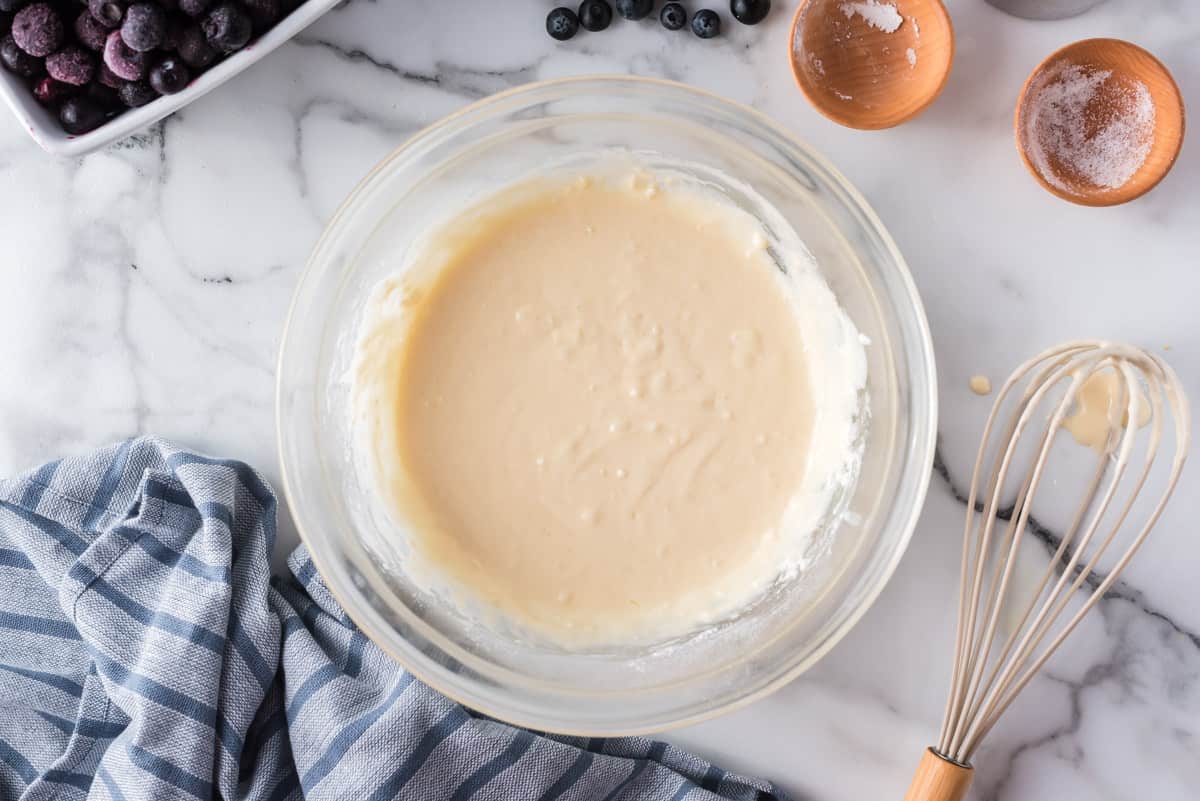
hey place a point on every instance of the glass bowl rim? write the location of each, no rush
(920, 449)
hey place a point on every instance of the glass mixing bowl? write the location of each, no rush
(353, 540)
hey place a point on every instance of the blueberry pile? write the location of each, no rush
(595, 15)
(89, 60)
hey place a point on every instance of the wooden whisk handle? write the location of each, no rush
(939, 779)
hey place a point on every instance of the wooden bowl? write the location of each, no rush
(871, 76)
(1115, 82)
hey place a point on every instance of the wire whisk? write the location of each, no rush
(1006, 629)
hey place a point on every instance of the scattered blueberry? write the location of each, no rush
(12, 5)
(169, 76)
(50, 92)
(706, 23)
(263, 13)
(194, 8)
(194, 48)
(72, 65)
(79, 115)
(108, 13)
(122, 60)
(750, 12)
(17, 61)
(595, 15)
(90, 33)
(635, 9)
(673, 16)
(562, 23)
(136, 93)
(227, 27)
(37, 29)
(145, 27)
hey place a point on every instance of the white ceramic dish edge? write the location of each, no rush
(46, 131)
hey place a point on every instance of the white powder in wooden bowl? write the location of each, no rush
(883, 16)
(1083, 125)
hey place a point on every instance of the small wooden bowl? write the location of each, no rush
(1130, 66)
(862, 76)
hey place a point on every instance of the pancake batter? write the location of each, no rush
(591, 400)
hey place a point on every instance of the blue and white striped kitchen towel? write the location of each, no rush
(146, 653)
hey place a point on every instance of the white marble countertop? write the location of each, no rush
(143, 289)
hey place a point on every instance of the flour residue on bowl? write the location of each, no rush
(882, 16)
(1083, 125)
(611, 405)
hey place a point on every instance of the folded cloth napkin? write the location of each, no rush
(147, 653)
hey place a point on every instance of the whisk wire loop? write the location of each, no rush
(980, 648)
(991, 670)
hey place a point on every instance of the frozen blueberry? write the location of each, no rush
(228, 28)
(17, 61)
(169, 76)
(50, 92)
(136, 93)
(749, 12)
(12, 5)
(106, 77)
(595, 15)
(194, 8)
(264, 13)
(122, 60)
(145, 27)
(194, 48)
(635, 9)
(72, 65)
(562, 23)
(79, 115)
(37, 29)
(673, 16)
(91, 34)
(104, 96)
(108, 13)
(176, 23)
(706, 23)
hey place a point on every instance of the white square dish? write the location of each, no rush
(44, 127)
